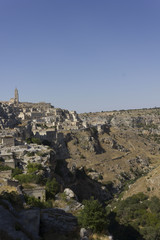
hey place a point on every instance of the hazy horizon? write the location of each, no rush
(88, 56)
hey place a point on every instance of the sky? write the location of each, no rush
(83, 55)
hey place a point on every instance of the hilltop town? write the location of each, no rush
(52, 159)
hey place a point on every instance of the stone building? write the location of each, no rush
(6, 174)
(16, 96)
(15, 100)
(37, 192)
(7, 140)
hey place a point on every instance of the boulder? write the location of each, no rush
(30, 220)
(85, 233)
(69, 193)
(56, 220)
(10, 228)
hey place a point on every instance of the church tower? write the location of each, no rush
(16, 96)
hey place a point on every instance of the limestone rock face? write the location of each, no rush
(57, 220)
(10, 227)
(30, 220)
(33, 223)
(85, 233)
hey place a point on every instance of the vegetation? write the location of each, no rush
(30, 154)
(33, 167)
(52, 188)
(33, 140)
(38, 141)
(34, 202)
(13, 198)
(16, 200)
(4, 167)
(139, 214)
(30, 178)
(147, 126)
(42, 154)
(16, 172)
(93, 216)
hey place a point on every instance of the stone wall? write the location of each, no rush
(6, 174)
(10, 163)
(7, 141)
(38, 192)
(12, 183)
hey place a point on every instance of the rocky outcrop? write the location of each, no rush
(33, 223)
(30, 220)
(88, 140)
(11, 226)
(57, 220)
(7, 116)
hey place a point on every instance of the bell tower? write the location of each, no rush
(16, 96)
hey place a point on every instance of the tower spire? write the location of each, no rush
(16, 96)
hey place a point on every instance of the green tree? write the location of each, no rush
(33, 167)
(52, 187)
(93, 216)
(16, 171)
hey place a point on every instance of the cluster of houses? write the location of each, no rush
(19, 156)
(40, 120)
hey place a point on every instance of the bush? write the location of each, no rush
(16, 172)
(4, 168)
(30, 178)
(93, 216)
(52, 187)
(42, 154)
(36, 140)
(34, 202)
(25, 178)
(33, 167)
(141, 214)
(30, 154)
(109, 185)
(13, 197)
(33, 140)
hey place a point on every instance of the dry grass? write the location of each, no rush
(104, 163)
(149, 185)
(7, 189)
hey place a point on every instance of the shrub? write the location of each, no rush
(30, 154)
(30, 178)
(16, 171)
(33, 167)
(154, 205)
(42, 154)
(13, 198)
(82, 156)
(93, 216)
(34, 202)
(109, 185)
(100, 177)
(52, 187)
(33, 140)
(140, 214)
(4, 168)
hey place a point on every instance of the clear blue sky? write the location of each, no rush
(84, 55)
